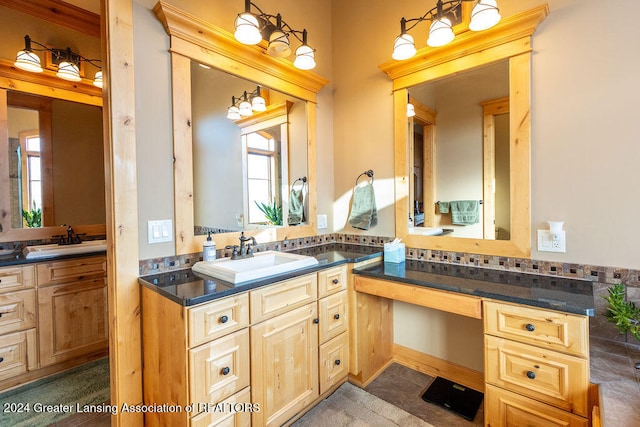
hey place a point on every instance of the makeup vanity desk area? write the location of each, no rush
(536, 336)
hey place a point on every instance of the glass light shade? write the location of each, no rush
(233, 113)
(404, 47)
(28, 61)
(258, 104)
(410, 110)
(440, 32)
(97, 79)
(245, 108)
(68, 71)
(279, 45)
(305, 59)
(247, 29)
(484, 15)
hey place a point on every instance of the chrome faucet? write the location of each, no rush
(245, 249)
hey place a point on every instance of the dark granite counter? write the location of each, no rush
(189, 288)
(11, 258)
(556, 293)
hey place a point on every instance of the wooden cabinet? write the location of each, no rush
(18, 348)
(536, 363)
(72, 309)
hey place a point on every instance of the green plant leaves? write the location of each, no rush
(272, 212)
(625, 314)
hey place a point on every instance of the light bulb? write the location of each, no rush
(27, 60)
(68, 71)
(404, 47)
(484, 15)
(247, 29)
(440, 32)
(305, 59)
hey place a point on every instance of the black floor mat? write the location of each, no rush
(456, 398)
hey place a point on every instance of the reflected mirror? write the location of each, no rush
(55, 171)
(459, 185)
(258, 157)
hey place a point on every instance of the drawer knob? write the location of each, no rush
(337, 362)
(1, 359)
(531, 375)
(224, 319)
(529, 327)
(336, 316)
(225, 370)
(316, 320)
(335, 281)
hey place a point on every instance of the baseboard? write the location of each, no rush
(436, 367)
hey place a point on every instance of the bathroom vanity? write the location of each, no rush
(53, 315)
(284, 343)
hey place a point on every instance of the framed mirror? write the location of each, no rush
(259, 157)
(196, 41)
(457, 164)
(42, 150)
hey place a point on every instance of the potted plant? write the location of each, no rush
(625, 314)
(33, 217)
(272, 212)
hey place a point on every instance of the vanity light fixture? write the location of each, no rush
(252, 27)
(246, 104)
(67, 62)
(484, 15)
(411, 111)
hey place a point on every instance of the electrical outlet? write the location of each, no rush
(551, 242)
(322, 222)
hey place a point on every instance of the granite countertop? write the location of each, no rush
(189, 288)
(16, 257)
(556, 293)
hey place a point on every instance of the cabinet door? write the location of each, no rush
(284, 365)
(17, 353)
(505, 409)
(334, 362)
(333, 316)
(72, 320)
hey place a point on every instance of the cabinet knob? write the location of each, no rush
(337, 362)
(1, 359)
(336, 316)
(335, 281)
(316, 320)
(224, 319)
(531, 375)
(529, 327)
(225, 370)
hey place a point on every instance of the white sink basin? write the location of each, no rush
(48, 251)
(262, 264)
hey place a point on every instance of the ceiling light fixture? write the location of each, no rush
(246, 104)
(484, 15)
(66, 61)
(252, 27)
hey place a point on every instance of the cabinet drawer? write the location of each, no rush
(219, 369)
(333, 316)
(17, 353)
(16, 278)
(545, 328)
(505, 409)
(59, 272)
(332, 280)
(215, 319)
(279, 298)
(227, 415)
(558, 379)
(17, 311)
(334, 361)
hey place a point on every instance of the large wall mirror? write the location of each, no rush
(218, 167)
(259, 158)
(463, 161)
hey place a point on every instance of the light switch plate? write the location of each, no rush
(549, 242)
(322, 222)
(159, 231)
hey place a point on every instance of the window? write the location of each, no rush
(31, 170)
(262, 179)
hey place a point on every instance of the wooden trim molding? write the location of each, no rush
(61, 13)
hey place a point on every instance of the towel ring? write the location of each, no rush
(303, 179)
(368, 173)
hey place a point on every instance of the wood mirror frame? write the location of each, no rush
(511, 40)
(48, 85)
(194, 39)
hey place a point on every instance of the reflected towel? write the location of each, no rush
(363, 208)
(443, 207)
(465, 212)
(296, 207)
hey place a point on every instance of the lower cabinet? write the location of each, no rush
(17, 353)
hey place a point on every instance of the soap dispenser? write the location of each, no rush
(209, 249)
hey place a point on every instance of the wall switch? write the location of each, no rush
(552, 242)
(322, 222)
(159, 231)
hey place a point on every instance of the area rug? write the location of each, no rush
(56, 397)
(352, 406)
